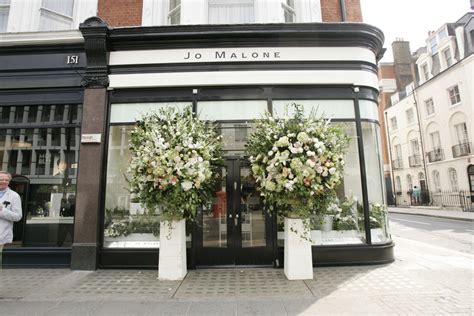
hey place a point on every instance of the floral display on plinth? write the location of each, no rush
(174, 159)
(297, 161)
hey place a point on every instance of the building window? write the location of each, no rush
(426, 73)
(462, 136)
(56, 15)
(443, 33)
(433, 45)
(415, 147)
(435, 140)
(4, 12)
(447, 57)
(437, 180)
(289, 11)
(409, 182)
(429, 106)
(410, 116)
(174, 13)
(231, 11)
(454, 95)
(393, 123)
(453, 179)
(398, 184)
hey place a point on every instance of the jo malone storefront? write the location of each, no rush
(230, 74)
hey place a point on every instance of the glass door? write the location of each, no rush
(236, 230)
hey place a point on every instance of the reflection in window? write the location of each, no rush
(56, 15)
(231, 12)
(4, 12)
(43, 156)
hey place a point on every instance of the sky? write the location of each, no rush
(411, 19)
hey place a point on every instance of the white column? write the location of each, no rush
(172, 260)
(298, 257)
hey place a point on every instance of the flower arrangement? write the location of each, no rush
(378, 215)
(346, 219)
(173, 159)
(297, 161)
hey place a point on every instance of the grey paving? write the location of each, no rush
(425, 279)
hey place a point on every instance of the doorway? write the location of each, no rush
(237, 229)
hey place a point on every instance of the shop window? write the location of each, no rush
(41, 155)
(374, 171)
(59, 113)
(4, 12)
(289, 12)
(56, 15)
(5, 114)
(429, 106)
(231, 11)
(342, 109)
(454, 96)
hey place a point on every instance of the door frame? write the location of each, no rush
(233, 254)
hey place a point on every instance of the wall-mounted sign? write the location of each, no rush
(91, 138)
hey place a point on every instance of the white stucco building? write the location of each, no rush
(442, 155)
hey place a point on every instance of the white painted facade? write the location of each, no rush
(25, 16)
(155, 12)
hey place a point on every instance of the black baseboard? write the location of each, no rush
(29, 257)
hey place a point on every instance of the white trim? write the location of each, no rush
(40, 38)
(242, 54)
(294, 77)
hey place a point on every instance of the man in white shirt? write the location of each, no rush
(10, 211)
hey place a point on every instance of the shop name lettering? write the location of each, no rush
(223, 55)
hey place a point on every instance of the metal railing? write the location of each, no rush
(437, 154)
(462, 149)
(397, 163)
(457, 199)
(414, 160)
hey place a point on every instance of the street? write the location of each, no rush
(446, 233)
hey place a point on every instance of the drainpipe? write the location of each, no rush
(423, 159)
(390, 159)
(343, 10)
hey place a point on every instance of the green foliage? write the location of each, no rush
(297, 161)
(174, 160)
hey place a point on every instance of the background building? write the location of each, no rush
(430, 123)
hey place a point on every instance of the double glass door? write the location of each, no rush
(236, 229)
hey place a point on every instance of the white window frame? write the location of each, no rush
(174, 12)
(410, 115)
(415, 146)
(398, 184)
(394, 123)
(462, 136)
(429, 106)
(426, 71)
(435, 140)
(453, 179)
(448, 59)
(409, 182)
(454, 95)
(5, 8)
(398, 151)
(289, 9)
(437, 180)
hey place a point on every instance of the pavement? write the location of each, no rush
(434, 212)
(425, 279)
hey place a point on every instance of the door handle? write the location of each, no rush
(236, 220)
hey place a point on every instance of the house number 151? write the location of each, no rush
(74, 59)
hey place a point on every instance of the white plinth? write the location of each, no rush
(298, 257)
(172, 262)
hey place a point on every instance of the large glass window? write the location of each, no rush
(174, 13)
(341, 109)
(375, 184)
(127, 224)
(43, 163)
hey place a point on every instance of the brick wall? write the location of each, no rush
(331, 11)
(121, 12)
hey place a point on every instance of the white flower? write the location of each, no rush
(332, 170)
(310, 153)
(186, 185)
(270, 153)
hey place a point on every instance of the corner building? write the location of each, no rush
(231, 61)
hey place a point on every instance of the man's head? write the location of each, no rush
(5, 178)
